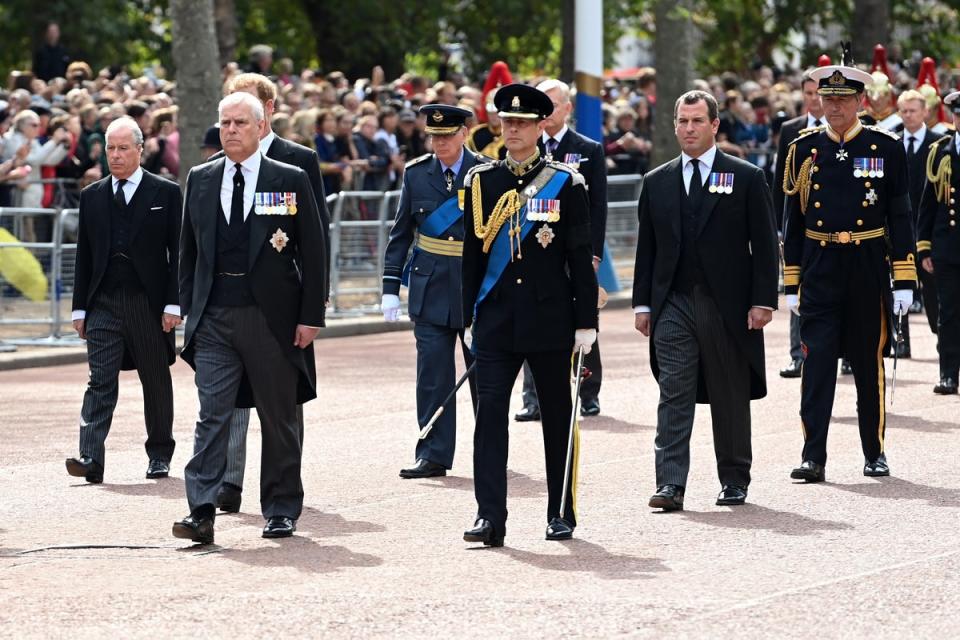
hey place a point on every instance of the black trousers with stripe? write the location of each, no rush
(843, 312)
(121, 319)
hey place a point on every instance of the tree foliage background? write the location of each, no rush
(413, 34)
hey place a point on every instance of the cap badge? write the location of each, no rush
(515, 103)
(437, 116)
(837, 78)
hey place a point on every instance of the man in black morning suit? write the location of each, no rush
(252, 290)
(705, 285)
(287, 152)
(431, 206)
(560, 143)
(530, 294)
(938, 244)
(125, 298)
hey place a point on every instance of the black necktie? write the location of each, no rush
(816, 122)
(120, 197)
(236, 205)
(551, 146)
(448, 176)
(696, 183)
(912, 147)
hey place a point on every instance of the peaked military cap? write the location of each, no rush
(953, 101)
(443, 120)
(522, 101)
(841, 79)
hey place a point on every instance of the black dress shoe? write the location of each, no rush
(916, 307)
(559, 529)
(846, 368)
(85, 467)
(946, 387)
(731, 496)
(792, 370)
(669, 497)
(158, 469)
(528, 414)
(809, 471)
(903, 350)
(229, 498)
(424, 469)
(590, 408)
(279, 527)
(194, 528)
(877, 468)
(483, 532)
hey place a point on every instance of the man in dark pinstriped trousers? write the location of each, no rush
(125, 300)
(705, 284)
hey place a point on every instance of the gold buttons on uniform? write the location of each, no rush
(450, 238)
(867, 184)
(873, 147)
(866, 204)
(815, 169)
(953, 190)
(859, 223)
(816, 187)
(953, 223)
(819, 223)
(952, 201)
(952, 211)
(519, 181)
(857, 242)
(817, 204)
(823, 243)
(519, 280)
(813, 150)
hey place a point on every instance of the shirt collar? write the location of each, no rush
(849, 135)
(812, 121)
(707, 158)
(266, 141)
(558, 137)
(919, 134)
(134, 179)
(251, 166)
(455, 167)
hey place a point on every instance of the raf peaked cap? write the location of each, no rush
(522, 101)
(443, 120)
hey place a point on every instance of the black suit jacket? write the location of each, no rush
(736, 244)
(287, 285)
(289, 152)
(917, 169)
(788, 133)
(154, 244)
(593, 168)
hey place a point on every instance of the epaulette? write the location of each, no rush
(417, 160)
(475, 169)
(887, 132)
(803, 133)
(575, 175)
(479, 158)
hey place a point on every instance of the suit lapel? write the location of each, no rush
(278, 151)
(709, 200)
(267, 181)
(208, 196)
(142, 198)
(436, 178)
(674, 193)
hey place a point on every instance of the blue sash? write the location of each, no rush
(500, 250)
(434, 225)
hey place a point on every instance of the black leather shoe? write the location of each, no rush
(84, 467)
(590, 408)
(229, 498)
(158, 469)
(194, 528)
(424, 469)
(846, 368)
(946, 387)
(279, 527)
(916, 306)
(559, 529)
(809, 471)
(669, 497)
(877, 468)
(792, 370)
(731, 496)
(528, 414)
(483, 532)
(903, 350)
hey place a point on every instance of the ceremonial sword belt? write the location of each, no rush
(843, 237)
(439, 246)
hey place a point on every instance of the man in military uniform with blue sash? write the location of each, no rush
(431, 204)
(529, 293)
(847, 188)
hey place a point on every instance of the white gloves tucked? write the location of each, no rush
(468, 337)
(902, 299)
(584, 338)
(390, 305)
(793, 303)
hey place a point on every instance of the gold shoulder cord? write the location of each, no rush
(941, 178)
(799, 182)
(507, 207)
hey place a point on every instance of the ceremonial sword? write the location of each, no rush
(896, 350)
(425, 431)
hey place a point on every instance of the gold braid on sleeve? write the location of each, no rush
(940, 179)
(507, 206)
(794, 183)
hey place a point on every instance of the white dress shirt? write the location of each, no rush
(559, 137)
(129, 189)
(919, 135)
(814, 122)
(266, 141)
(251, 170)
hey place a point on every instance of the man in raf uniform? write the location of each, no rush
(529, 292)
(846, 185)
(938, 244)
(431, 202)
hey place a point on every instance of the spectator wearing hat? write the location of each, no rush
(211, 142)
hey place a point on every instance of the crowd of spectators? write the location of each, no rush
(52, 119)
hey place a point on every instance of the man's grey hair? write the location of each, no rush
(238, 98)
(695, 96)
(559, 85)
(125, 122)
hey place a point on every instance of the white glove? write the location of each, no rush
(902, 299)
(390, 305)
(584, 338)
(468, 338)
(793, 303)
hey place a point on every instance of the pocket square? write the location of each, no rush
(155, 208)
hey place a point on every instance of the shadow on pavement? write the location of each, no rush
(171, 488)
(900, 489)
(518, 484)
(752, 517)
(318, 523)
(612, 425)
(914, 423)
(590, 557)
(304, 554)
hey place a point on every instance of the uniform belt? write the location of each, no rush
(844, 237)
(440, 247)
